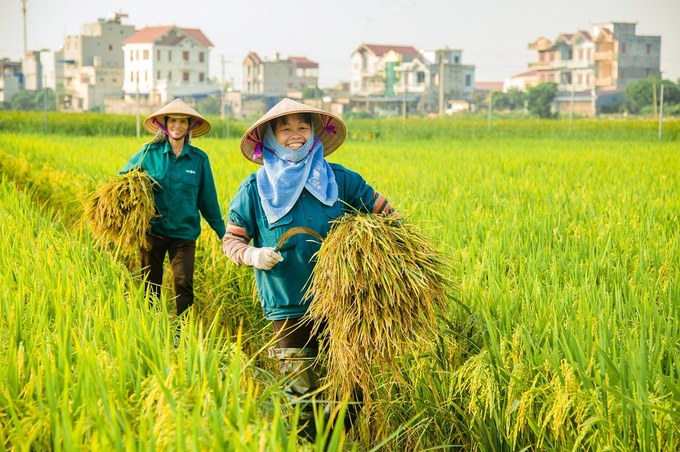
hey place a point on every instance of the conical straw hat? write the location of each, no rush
(177, 107)
(331, 140)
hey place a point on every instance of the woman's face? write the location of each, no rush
(177, 127)
(292, 131)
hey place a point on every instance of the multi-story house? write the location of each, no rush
(93, 62)
(435, 77)
(609, 59)
(369, 63)
(278, 77)
(622, 57)
(11, 79)
(167, 62)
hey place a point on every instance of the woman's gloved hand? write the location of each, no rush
(263, 258)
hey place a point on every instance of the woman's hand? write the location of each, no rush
(263, 258)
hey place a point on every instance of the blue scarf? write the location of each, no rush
(286, 173)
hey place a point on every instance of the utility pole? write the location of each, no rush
(441, 83)
(23, 10)
(490, 108)
(137, 102)
(654, 97)
(661, 114)
(571, 112)
(405, 79)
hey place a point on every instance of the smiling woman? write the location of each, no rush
(184, 190)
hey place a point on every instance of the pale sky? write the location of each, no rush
(493, 34)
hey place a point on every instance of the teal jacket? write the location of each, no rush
(185, 190)
(282, 289)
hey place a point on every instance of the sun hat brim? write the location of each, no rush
(331, 141)
(177, 108)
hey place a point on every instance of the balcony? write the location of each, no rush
(604, 56)
(600, 82)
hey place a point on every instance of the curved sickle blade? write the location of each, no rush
(293, 231)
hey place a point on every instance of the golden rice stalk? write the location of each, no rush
(377, 285)
(120, 211)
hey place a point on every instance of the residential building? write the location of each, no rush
(93, 63)
(622, 57)
(521, 81)
(11, 79)
(610, 58)
(167, 62)
(398, 72)
(279, 77)
(369, 74)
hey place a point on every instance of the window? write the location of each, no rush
(201, 77)
(580, 54)
(456, 59)
(649, 49)
(158, 56)
(111, 47)
(137, 55)
(169, 55)
(185, 56)
(420, 77)
(158, 75)
(468, 80)
(623, 74)
(201, 57)
(101, 79)
(146, 76)
(132, 76)
(131, 55)
(113, 80)
(145, 53)
(647, 71)
(185, 76)
(623, 47)
(169, 75)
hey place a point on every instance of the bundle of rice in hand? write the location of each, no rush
(120, 211)
(378, 284)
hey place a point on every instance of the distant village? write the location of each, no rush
(113, 68)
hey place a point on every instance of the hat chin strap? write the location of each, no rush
(193, 126)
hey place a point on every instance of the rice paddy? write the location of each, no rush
(560, 331)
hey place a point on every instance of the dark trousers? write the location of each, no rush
(182, 255)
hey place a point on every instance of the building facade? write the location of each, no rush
(609, 59)
(279, 77)
(93, 63)
(428, 78)
(167, 62)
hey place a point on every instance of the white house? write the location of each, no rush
(167, 62)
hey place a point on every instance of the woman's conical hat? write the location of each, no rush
(331, 140)
(177, 107)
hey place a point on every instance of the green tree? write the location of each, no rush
(312, 92)
(45, 95)
(23, 101)
(208, 106)
(511, 100)
(540, 99)
(640, 94)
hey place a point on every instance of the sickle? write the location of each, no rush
(293, 231)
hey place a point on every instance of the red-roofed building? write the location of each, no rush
(279, 77)
(167, 62)
(430, 79)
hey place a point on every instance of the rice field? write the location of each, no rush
(561, 331)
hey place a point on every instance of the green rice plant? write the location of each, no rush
(120, 212)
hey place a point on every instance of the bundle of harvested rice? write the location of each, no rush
(378, 284)
(120, 212)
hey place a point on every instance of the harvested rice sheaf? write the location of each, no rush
(378, 285)
(120, 212)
